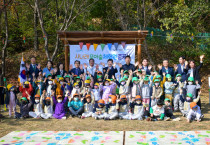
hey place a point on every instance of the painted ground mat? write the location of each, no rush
(63, 138)
(167, 137)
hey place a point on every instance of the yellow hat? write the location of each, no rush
(61, 79)
(87, 81)
(96, 84)
(9, 86)
(75, 84)
(26, 82)
(38, 81)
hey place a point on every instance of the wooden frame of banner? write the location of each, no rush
(74, 37)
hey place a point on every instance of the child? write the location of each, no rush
(59, 106)
(96, 91)
(76, 89)
(76, 106)
(136, 89)
(169, 111)
(88, 106)
(38, 87)
(49, 87)
(178, 86)
(194, 113)
(189, 99)
(37, 107)
(137, 107)
(87, 89)
(124, 85)
(145, 90)
(157, 92)
(191, 87)
(157, 112)
(169, 87)
(111, 108)
(10, 98)
(59, 84)
(26, 89)
(107, 88)
(123, 107)
(99, 110)
(48, 106)
(24, 107)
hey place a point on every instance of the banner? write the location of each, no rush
(101, 54)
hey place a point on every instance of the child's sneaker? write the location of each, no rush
(149, 119)
(82, 117)
(167, 118)
(63, 117)
(177, 119)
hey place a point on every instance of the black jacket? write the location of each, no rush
(196, 74)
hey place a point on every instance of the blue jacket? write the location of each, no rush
(75, 105)
(183, 73)
(77, 71)
(33, 70)
(147, 70)
(170, 71)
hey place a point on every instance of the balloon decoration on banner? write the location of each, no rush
(24, 39)
(116, 46)
(151, 34)
(95, 46)
(109, 46)
(81, 45)
(192, 37)
(102, 46)
(88, 46)
(123, 44)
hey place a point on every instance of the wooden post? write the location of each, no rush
(139, 51)
(66, 55)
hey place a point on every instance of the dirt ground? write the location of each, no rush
(75, 124)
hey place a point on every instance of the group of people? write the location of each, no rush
(130, 91)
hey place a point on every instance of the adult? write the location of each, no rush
(145, 66)
(165, 69)
(47, 70)
(193, 70)
(181, 68)
(110, 69)
(92, 68)
(127, 66)
(78, 70)
(61, 71)
(33, 69)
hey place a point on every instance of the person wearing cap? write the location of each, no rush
(87, 88)
(159, 77)
(137, 108)
(107, 90)
(26, 88)
(76, 89)
(76, 106)
(178, 105)
(169, 111)
(37, 107)
(123, 107)
(97, 92)
(194, 113)
(157, 92)
(78, 69)
(88, 106)
(48, 106)
(136, 89)
(38, 87)
(67, 86)
(145, 85)
(59, 106)
(99, 110)
(169, 88)
(125, 85)
(189, 99)
(11, 97)
(25, 106)
(111, 109)
(49, 87)
(60, 85)
(157, 112)
(192, 87)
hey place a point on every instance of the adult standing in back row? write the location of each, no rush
(127, 66)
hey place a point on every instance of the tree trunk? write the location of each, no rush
(5, 42)
(56, 48)
(36, 41)
(43, 29)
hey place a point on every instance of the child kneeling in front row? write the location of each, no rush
(99, 110)
(194, 113)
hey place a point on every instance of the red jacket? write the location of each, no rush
(24, 90)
